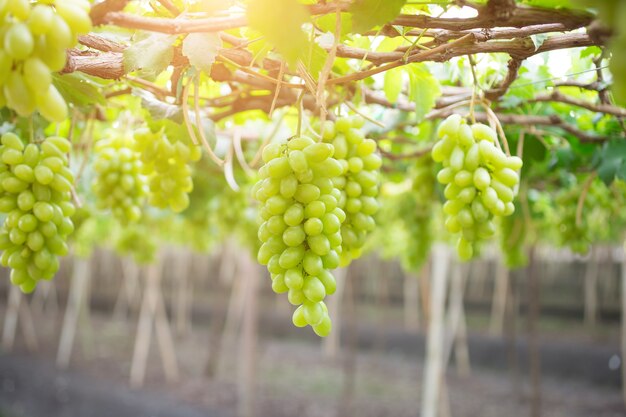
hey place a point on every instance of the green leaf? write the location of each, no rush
(77, 89)
(327, 23)
(150, 55)
(314, 59)
(393, 84)
(612, 161)
(424, 89)
(369, 13)
(280, 21)
(159, 109)
(201, 49)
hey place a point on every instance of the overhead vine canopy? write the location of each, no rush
(174, 104)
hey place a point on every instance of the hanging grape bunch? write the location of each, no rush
(35, 187)
(358, 183)
(481, 181)
(35, 36)
(416, 210)
(301, 225)
(166, 163)
(119, 184)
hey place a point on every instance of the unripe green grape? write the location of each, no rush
(36, 228)
(166, 164)
(295, 189)
(123, 191)
(479, 178)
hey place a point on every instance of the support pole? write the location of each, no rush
(78, 289)
(434, 347)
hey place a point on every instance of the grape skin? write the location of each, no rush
(119, 184)
(166, 164)
(480, 181)
(300, 226)
(358, 184)
(35, 193)
(34, 38)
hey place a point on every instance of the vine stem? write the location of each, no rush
(493, 117)
(185, 106)
(228, 170)
(259, 153)
(583, 197)
(474, 89)
(239, 152)
(205, 142)
(300, 112)
(281, 72)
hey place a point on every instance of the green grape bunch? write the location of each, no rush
(481, 181)
(166, 163)
(119, 184)
(416, 210)
(513, 232)
(359, 182)
(35, 194)
(35, 36)
(301, 225)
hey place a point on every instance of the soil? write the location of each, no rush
(296, 379)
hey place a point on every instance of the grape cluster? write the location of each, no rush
(481, 181)
(358, 183)
(417, 212)
(301, 228)
(35, 190)
(166, 163)
(119, 184)
(513, 234)
(34, 37)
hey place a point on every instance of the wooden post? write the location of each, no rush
(533, 337)
(18, 311)
(434, 347)
(247, 373)
(512, 310)
(455, 326)
(331, 342)
(129, 294)
(411, 302)
(624, 322)
(78, 290)
(498, 303)
(591, 287)
(153, 311)
(349, 354)
(182, 266)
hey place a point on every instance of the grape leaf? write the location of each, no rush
(280, 21)
(424, 89)
(158, 109)
(201, 49)
(369, 13)
(77, 89)
(151, 55)
(393, 84)
(612, 161)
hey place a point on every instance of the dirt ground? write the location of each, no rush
(294, 378)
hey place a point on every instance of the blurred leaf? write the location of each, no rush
(424, 89)
(612, 161)
(280, 21)
(369, 13)
(150, 55)
(159, 109)
(77, 89)
(201, 49)
(393, 84)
